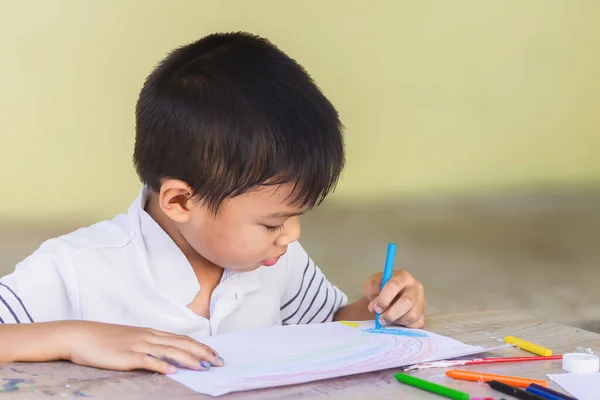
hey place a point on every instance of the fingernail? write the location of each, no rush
(220, 361)
(171, 369)
(382, 321)
(205, 364)
(378, 309)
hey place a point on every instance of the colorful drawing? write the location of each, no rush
(279, 356)
(396, 332)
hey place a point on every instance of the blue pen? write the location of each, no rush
(387, 273)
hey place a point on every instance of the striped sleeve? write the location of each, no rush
(308, 296)
(12, 307)
(36, 290)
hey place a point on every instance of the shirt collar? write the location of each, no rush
(168, 266)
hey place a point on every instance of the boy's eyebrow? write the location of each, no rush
(285, 214)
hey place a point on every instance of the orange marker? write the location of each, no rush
(482, 377)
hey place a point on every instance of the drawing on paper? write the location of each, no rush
(279, 356)
(344, 357)
(396, 332)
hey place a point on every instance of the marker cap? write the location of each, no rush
(580, 363)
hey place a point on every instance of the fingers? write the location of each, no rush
(372, 288)
(409, 309)
(150, 363)
(401, 301)
(165, 352)
(190, 346)
(125, 348)
(176, 357)
(393, 288)
(420, 323)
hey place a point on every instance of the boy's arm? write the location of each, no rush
(37, 290)
(107, 346)
(46, 341)
(37, 303)
(355, 311)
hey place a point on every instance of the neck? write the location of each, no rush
(199, 263)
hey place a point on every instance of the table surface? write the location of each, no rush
(63, 379)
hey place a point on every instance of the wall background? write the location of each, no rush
(437, 97)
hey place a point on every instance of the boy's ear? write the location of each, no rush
(175, 200)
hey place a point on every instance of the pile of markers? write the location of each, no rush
(521, 388)
(518, 387)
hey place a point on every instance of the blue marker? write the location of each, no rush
(547, 393)
(387, 273)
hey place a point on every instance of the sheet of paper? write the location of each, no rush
(581, 386)
(284, 355)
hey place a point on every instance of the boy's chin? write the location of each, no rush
(247, 269)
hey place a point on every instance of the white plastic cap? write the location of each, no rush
(580, 363)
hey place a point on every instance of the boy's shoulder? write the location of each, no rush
(106, 234)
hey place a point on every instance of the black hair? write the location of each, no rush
(230, 112)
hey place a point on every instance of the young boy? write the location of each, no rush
(234, 142)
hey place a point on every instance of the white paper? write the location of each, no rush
(284, 355)
(581, 386)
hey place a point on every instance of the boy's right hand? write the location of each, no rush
(125, 348)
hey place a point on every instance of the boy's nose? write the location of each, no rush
(291, 232)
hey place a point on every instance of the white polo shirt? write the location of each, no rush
(128, 271)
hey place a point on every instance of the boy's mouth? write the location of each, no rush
(270, 262)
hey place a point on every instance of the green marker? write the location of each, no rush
(432, 387)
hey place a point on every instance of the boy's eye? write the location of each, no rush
(273, 228)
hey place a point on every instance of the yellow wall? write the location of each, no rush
(436, 95)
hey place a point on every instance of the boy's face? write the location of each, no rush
(249, 230)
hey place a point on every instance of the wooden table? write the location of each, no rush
(62, 379)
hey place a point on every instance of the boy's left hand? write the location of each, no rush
(402, 300)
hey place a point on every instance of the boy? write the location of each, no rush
(234, 142)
